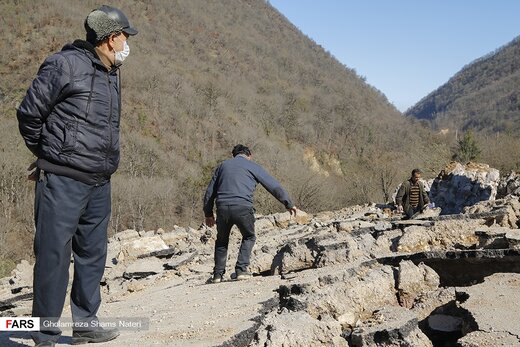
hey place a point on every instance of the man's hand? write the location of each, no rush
(292, 211)
(400, 209)
(210, 221)
(33, 176)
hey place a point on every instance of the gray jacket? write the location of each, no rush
(234, 183)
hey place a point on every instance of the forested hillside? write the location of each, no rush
(484, 97)
(201, 77)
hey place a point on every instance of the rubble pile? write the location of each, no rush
(359, 276)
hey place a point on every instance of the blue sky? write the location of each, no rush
(405, 48)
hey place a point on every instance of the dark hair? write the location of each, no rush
(240, 149)
(414, 171)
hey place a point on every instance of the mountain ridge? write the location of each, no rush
(481, 96)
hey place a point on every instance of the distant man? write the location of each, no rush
(412, 197)
(69, 120)
(233, 185)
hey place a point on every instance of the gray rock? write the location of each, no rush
(429, 301)
(136, 247)
(22, 277)
(298, 329)
(283, 220)
(414, 281)
(390, 326)
(442, 235)
(444, 323)
(143, 268)
(163, 253)
(346, 293)
(180, 260)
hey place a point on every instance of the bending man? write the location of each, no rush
(233, 185)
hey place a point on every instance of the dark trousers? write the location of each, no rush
(243, 217)
(411, 211)
(70, 217)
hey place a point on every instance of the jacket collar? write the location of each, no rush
(90, 51)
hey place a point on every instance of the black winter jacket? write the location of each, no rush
(70, 116)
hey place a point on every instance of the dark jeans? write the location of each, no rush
(243, 217)
(71, 217)
(411, 211)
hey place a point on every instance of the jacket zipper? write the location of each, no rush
(90, 94)
(109, 123)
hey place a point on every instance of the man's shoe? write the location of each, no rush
(46, 344)
(95, 336)
(217, 278)
(242, 275)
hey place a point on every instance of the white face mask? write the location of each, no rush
(121, 55)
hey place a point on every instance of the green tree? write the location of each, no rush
(468, 149)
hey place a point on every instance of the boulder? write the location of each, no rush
(350, 293)
(283, 220)
(464, 185)
(443, 323)
(390, 326)
(414, 239)
(294, 255)
(414, 280)
(175, 238)
(180, 260)
(296, 329)
(443, 234)
(429, 301)
(143, 268)
(135, 248)
(22, 277)
(505, 212)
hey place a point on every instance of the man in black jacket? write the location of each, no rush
(233, 185)
(69, 120)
